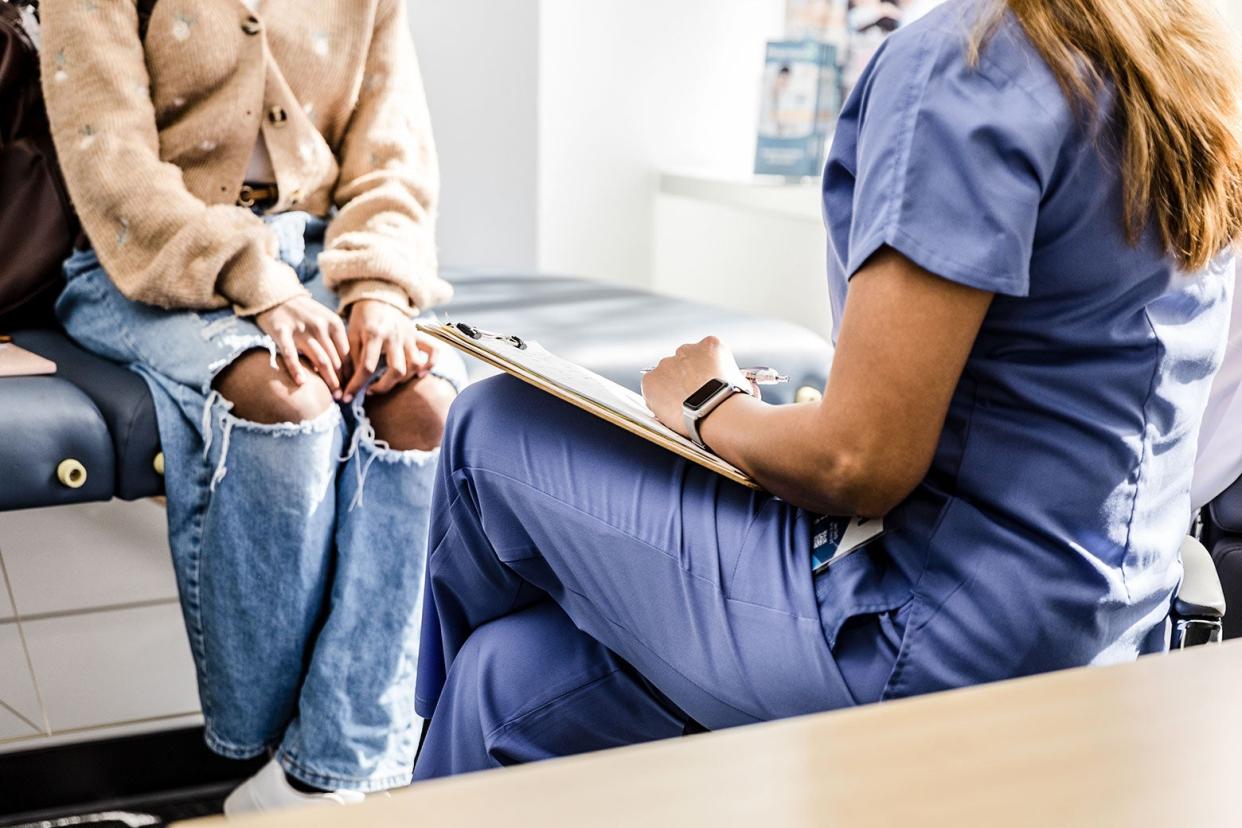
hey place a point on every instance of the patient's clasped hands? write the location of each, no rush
(304, 329)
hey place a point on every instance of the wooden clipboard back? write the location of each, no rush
(18, 362)
(451, 335)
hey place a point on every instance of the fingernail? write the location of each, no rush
(348, 398)
(336, 395)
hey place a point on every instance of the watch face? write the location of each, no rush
(709, 389)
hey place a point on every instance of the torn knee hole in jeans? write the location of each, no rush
(238, 346)
(364, 437)
(228, 330)
(217, 407)
(377, 449)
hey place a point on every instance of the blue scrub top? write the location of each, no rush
(1046, 533)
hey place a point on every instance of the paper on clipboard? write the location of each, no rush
(585, 389)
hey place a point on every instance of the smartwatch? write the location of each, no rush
(703, 402)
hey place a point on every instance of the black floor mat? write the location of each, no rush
(155, 811)
(149, 780)
(107, 819)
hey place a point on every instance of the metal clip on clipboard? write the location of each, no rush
(480, 334)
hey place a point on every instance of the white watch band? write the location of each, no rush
(693, 418)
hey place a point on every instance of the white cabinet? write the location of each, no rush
(753, 245)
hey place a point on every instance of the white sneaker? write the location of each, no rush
(269, 790)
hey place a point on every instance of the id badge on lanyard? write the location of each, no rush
(836, 537)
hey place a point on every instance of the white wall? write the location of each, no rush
(630, 87)
(554, 118)
(748, 259)
(1233, 10)
(480, 66)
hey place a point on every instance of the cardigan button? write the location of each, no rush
(251, 25)
(278, 116)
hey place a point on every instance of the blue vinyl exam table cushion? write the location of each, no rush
(101, 415)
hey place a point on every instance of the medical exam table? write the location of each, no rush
(88, 433)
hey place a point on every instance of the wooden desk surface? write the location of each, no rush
(1158, 742)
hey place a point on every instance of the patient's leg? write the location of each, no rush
(252, 521)
(356, 725)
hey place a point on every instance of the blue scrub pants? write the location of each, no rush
(587, 589)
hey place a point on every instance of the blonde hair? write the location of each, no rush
(1178, 98)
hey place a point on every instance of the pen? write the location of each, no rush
(759, 376)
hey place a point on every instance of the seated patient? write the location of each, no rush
(298, 466)
(1028, 209)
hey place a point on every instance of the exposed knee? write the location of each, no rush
(262, 394)
(411, 416)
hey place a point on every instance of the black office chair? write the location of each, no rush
(1221, 532)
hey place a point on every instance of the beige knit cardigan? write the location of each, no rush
(154, 138)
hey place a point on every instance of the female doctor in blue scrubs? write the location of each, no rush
(1027, 336)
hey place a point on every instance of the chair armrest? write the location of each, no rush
(1200, 594)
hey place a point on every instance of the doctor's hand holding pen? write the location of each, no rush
(667, 385)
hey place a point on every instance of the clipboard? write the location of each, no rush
(532, 363)
(18, 362)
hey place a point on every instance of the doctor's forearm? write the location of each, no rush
(786, 450)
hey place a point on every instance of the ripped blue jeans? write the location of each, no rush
(299, 548)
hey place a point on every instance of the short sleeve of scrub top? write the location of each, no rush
(952, 161)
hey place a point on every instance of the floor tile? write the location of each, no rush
(88, 555)
(38, 742)
(17, 688)
(6, 606)
(12, 727)
(112, 667)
